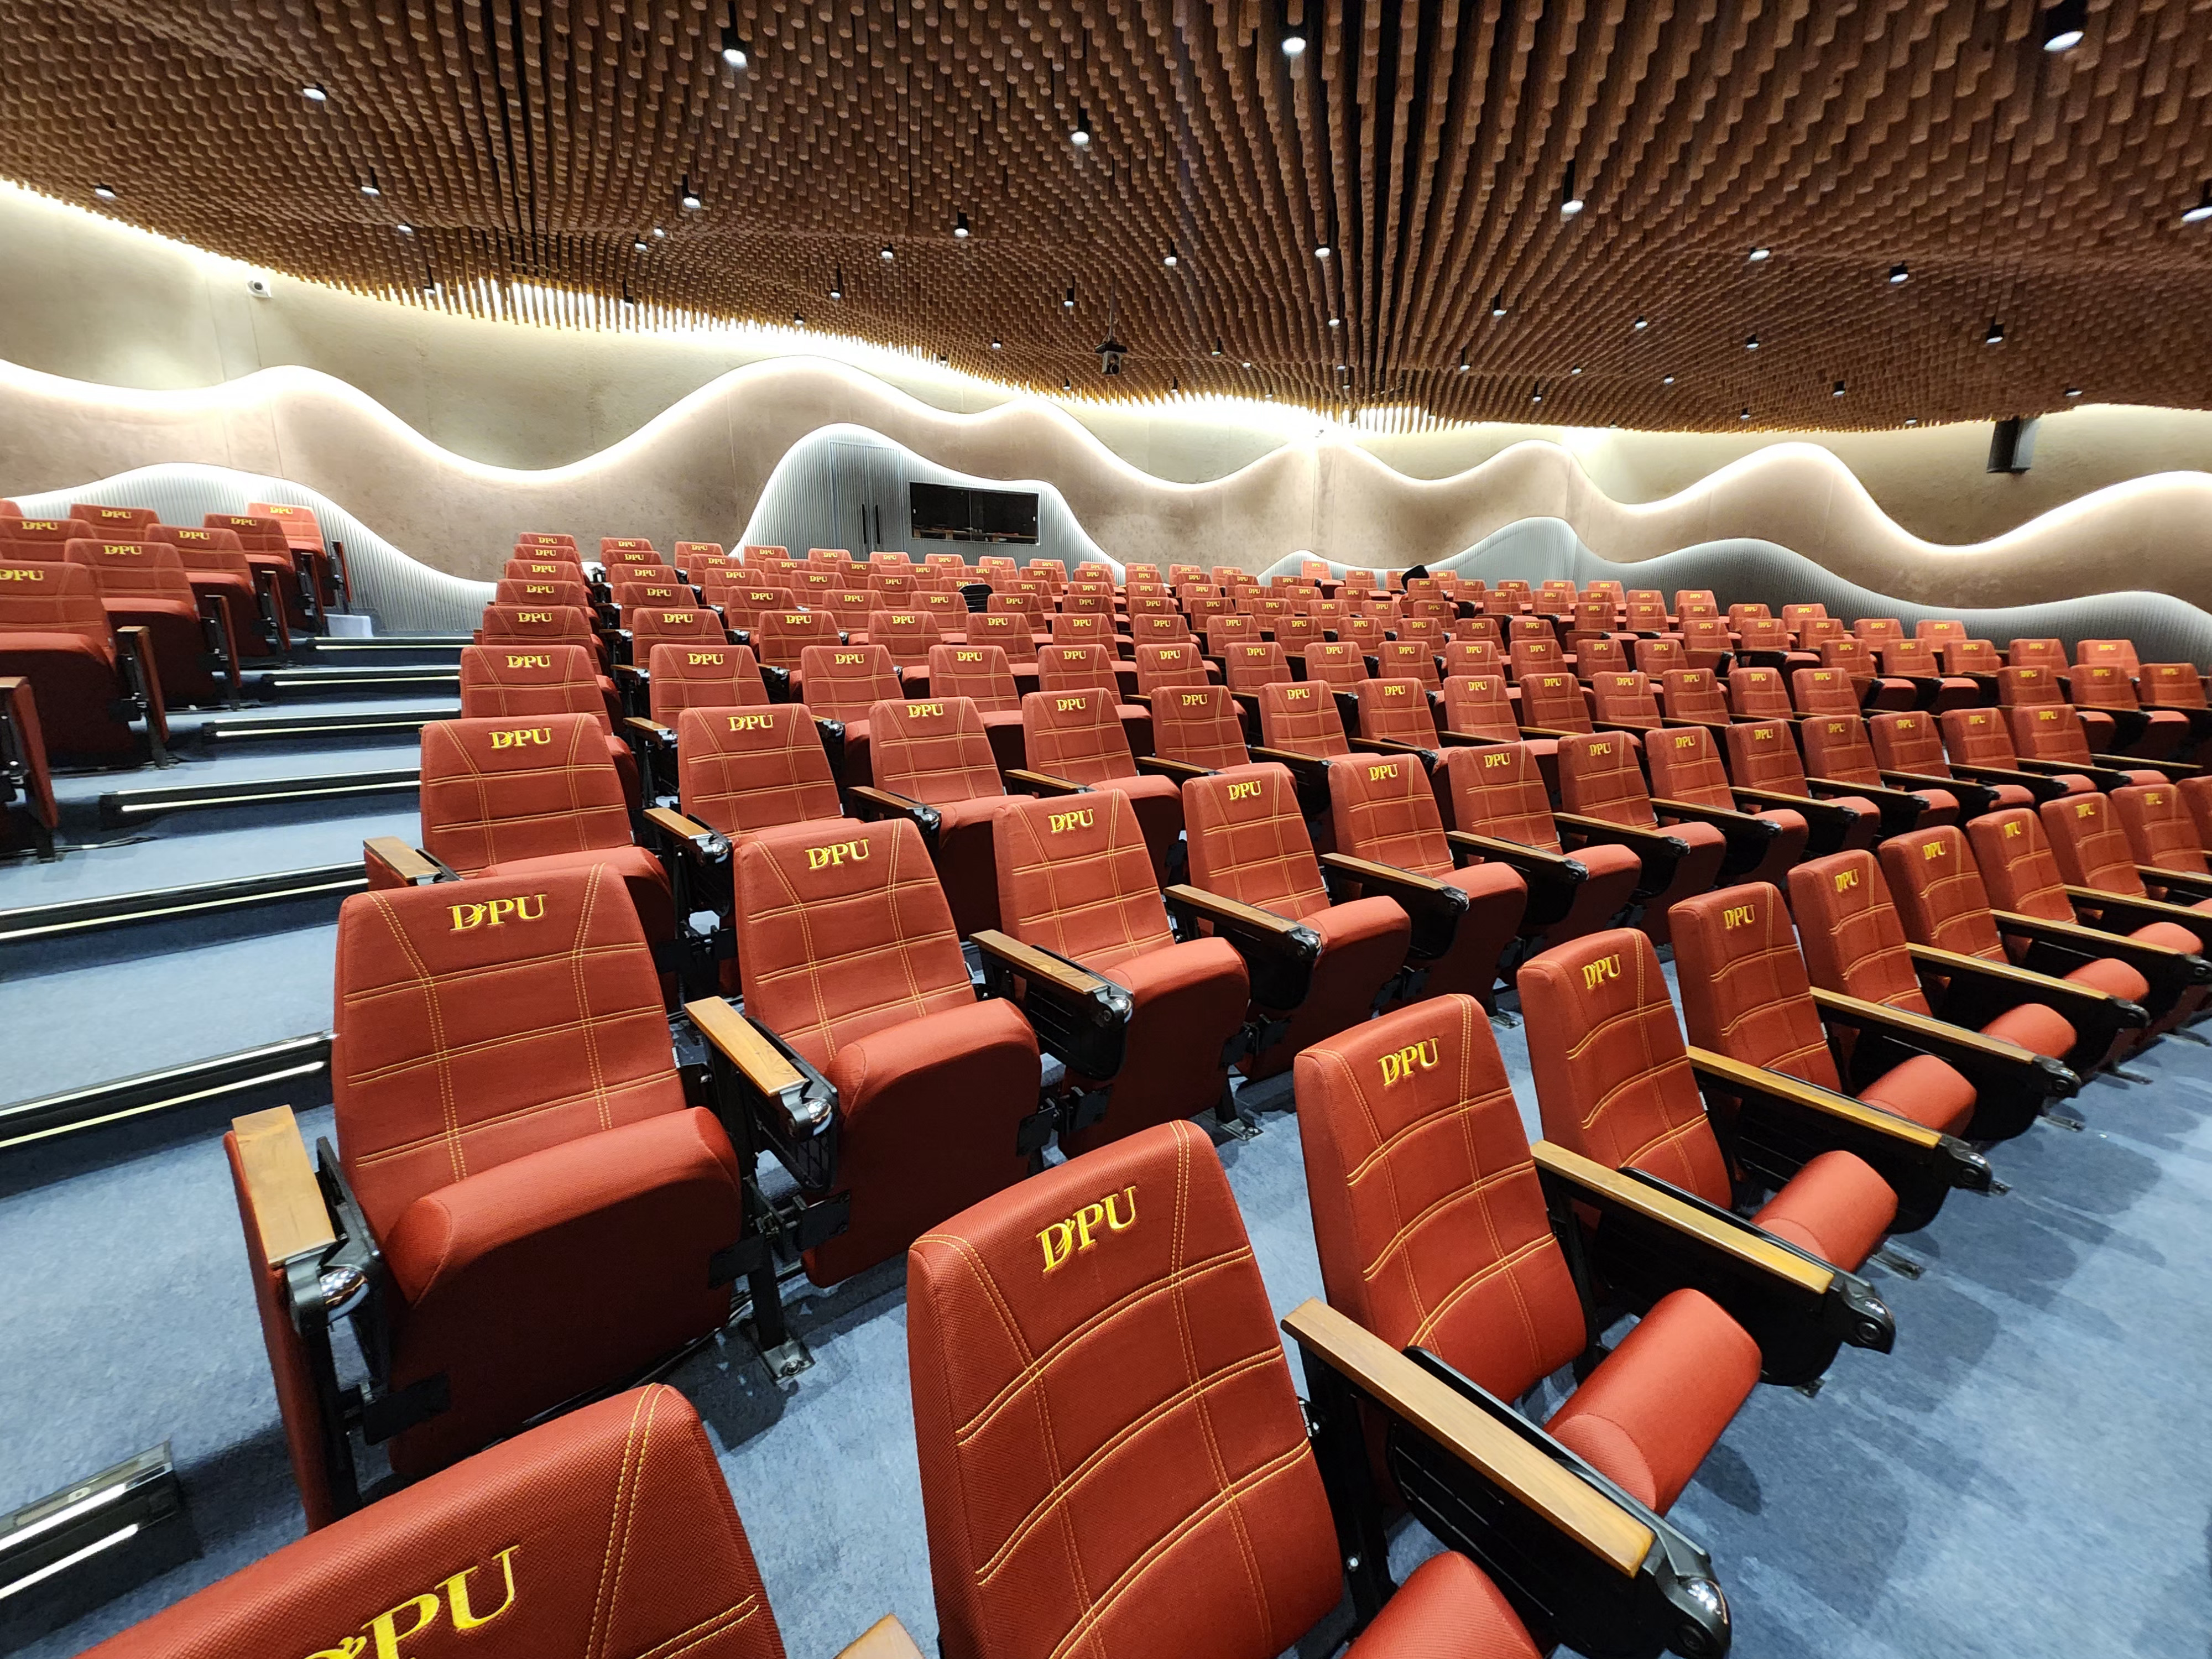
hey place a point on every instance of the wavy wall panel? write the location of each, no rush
(703, 467)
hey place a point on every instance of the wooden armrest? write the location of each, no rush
(739, 1041)
(1044, 781)
(1289, 757)
(1794, 803)
(1873, 792)
(288, 1200)
(2124, 764)
(1036, 964)
(904, 806)
(1430, 1406)
(1911, 781)
(1720, 817)
(2188, 880)
(1383, 874)
(404, 861)
(1756, 1080)
(1741, 1241)
(652, 731)
(673, 823)
(1392, 746)
(2155, 910)
(886, 1639)
(1628, 833)
(1228, 910)
(1161, 766)
(1953, 962)
(1470, 740)
(1953, 1042)
(1513, 853)
(1549, 732)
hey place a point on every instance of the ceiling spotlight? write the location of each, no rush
(797, 320)
(1577, 369)
(1217, 345)
(837, 284)
(960, 227)
(314, 94)
(1321, 250)
(1898, 275)
(432, 288)
(1066, 385)
(643, 246)
(1068, 299)
(687, 197)
(106, 192)
(2203, 211)
(1996, 335)
(1571, 201)
(1336, 322)
(1537, 396)
(1248, 365)
(1294, 42)
(1912, 419)
(1751, 344)
(1759, 256)
(2073, 390)
(885, 254)
(1838, 392)
(995, 343)
(1463, 364)
(404, 228)
(1170, 258)
(368, 187)
(734, 47)
(658, 233)
(1745, 414)
(1666, 380)
(1498, 305)
(1079, 134)
(2062, 25)
(1640, 325)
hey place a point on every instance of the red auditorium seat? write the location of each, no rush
(1979, 743)
(1910, 751)
(539, 592)
(702, 676)
(118, 523)
(217, 568)
(613, 1518)
(849, 963)
(547, 1209)
(937, 752)
(498, 683)
(1075, 879)
(1075, 741)
(1321, 966)
(1854, 946)
(1390, 842)
(982, 674)
(1837, 756)
(842, 683)
(2092, 853)
(1615, 1083)
(1195, 728)
(2049, 738)
(1603, 798)
(1915, 660)
(1434, 1233)
(1937, 886)
(1133, 1567)
(747, 769)
(1822, 691)
(29, 813)
(1746, 994)
(1689, 784)
(530, 625)
(779, 638)
(144, 585)
(2162, 835)
(1499, 804)
(1758, 693)
(1765, 771)
(91, 678)
(2108, 688)
(267, 548)
(517, 803)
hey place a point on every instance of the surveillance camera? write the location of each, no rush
(258, 288)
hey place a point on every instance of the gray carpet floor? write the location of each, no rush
(2029, 1475)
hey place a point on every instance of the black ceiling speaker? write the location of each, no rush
(2011, 445)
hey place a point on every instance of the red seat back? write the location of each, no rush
(1660, 657)
(1476, 705)
(1970, 657)
(2172, 684)
(1161, 666)
(1908, 742)
(1301, 719)
(1198, 725)
(694, 624)
(2101, 684)
(1977, 736)
(2017, 862)
(1250, 665)
(1007, 630)
(2089, 844)
(1526, 659)
(1822, 691)
(1763, 755)
(2048, 732)
(843, 930)
(1694, 694)
(1600, 778)
(1396, 711)
(499, 683)
(52, 597)
(2050, 655)
(1853, 942)
(1077, 735)
(535, 624)
(2160, 831)
(479, 1021)
(843, 681)
(978, 672)
(1084, 667)
(1623, 699)
(1499, 792)
(1612, 1076)
(1937, 888)
(742, 770)
(1745, 993)
(1247, 841)
(494, 790)
(1336, 663)
(137, 571)
(1383, 810)
(1836, 747)
(536, 592)
(935, 751)
(119, 524)
(909, 635)
(1757, 694)
(2030, 687)
(697, 675)
(1555, 701)
(1074, 876)
(644, 593)
(782, 637)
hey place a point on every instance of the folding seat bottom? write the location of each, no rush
(1926, 1090)
(1836, 1206)
(2037, 1028)
(1363, 943)
(2113, 977)
(1446, 1607)
(1647, 1416)
(1189, 1000)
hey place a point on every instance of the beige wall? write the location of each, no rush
(105, 307)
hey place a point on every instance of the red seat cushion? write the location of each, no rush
(1447, 1609)
(2173, 936)
(1926, 1090)
(2036, 1029)
(1836, 1206)
(2113, 977)
(1647, 1416)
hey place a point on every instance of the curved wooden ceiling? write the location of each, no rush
(537, 142)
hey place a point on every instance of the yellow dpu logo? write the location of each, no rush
(967, 656)
(1934, 849)
(849, 658)
(1740, 916)
(384, 1630)
(1496, 757)
(22, 574)
(533, 615)
(703, 658)
(829, 858)
(915, 711)
(1195, 700)
(1846, 879)
(752, 722)
(1376, 773)
(1062, 822)
(1244, 792)
(1062, 1239)
(497, 913)
(1069, 704)
(522, 737)
(534, 660)
(1417, 1056)
(2012, 828)
(1596, 974)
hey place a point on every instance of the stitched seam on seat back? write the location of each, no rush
(630, 1472)
(583, 997)
(456, 1154)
